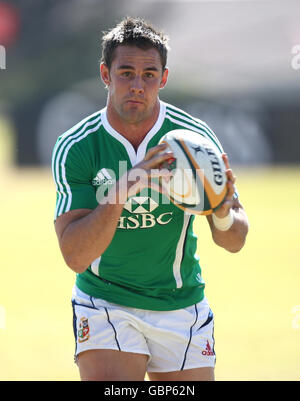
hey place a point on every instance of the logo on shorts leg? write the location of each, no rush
(83, 332)
(208, 351)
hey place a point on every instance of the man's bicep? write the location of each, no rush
(62, 222)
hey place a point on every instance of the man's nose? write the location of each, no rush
(137, 86)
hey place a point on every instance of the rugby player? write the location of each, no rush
(138, 302)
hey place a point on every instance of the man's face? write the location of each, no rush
(133, 81)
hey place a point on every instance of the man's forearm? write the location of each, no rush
(233, 239)
(85, 239)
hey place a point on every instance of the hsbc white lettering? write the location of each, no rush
(140, 208)
(143, 220)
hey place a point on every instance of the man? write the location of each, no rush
(139, 304)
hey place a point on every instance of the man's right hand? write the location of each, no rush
(140, 176)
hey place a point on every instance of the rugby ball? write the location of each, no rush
(198, 182)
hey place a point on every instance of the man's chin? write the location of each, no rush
(134, 116)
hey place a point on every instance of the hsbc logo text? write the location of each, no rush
(141, 208)
(145, 220)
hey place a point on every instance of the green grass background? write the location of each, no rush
(252, 293)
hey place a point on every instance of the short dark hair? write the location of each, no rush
(134, 32)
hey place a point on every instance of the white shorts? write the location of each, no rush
(174, 340)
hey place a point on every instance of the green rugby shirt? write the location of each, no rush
(151, 262)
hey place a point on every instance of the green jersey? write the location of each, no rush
(151, 262)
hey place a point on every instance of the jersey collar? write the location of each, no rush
(135, 156)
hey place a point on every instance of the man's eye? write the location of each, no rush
(126, 74)
(149, 75)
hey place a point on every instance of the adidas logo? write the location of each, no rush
(103, 177)
(208, 351)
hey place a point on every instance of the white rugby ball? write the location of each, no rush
(198, 183)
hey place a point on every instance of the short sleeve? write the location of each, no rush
(72, 177)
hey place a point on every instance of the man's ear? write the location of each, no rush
(104, 72)
(164, 78)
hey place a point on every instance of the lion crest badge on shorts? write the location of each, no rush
(84, 330)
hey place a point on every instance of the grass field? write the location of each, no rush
(252, 293)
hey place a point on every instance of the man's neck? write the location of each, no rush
(133, 132)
